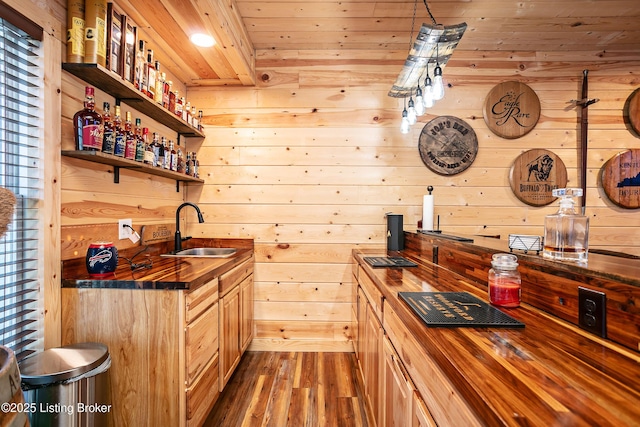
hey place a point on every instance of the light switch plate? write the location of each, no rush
(124, 232)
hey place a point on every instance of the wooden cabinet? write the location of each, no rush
(396, 389)
(421, 415)
(163, 345)
(236, 317)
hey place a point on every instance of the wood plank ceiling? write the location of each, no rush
(383, 28)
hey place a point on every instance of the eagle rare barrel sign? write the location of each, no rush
(511, 109)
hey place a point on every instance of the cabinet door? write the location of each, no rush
(201, 342)
(397, 390)
(246, 312)
(229, 334)
(362, 320)
(373, 351)
(421, 415)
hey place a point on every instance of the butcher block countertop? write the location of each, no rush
(549, 373)
(182, 273)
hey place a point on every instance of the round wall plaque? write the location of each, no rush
(621, 179)
(447, 145)
(511, 109)
(534, 174)
(633, 111)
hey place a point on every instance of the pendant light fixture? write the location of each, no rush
(404, 123)
(425, 50)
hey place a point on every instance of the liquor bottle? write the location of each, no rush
(162, 153)
(200, 120)
(194, 118)
(166, 91)
(130, 138)
(148, 156)
(566, 233)
(109, 135)
(151, 75)
(139, 141)
(173, 157)
(140, 78)
(187, 164)
(167, 154)
(186, 110)
(157, 97)
(88, 125)
(155, 147)
(178, 108)
(180, 160)
(172, 100)
(118, 148)
(195, 166)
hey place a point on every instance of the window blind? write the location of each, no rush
(21, 84)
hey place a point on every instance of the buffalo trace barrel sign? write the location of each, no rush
(511, 109)
(535, 174)
(621, 179)
(447, 145)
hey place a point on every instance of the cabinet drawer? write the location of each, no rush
(202, 395)
(200, 299)
(201, 342)
(233, 277)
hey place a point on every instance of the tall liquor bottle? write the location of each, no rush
(173, 159)
(139, 141)
(155, 147)
(195, 166)
(166, 161)
(179, 160)
(187, 164)
(148, 156)
(162, 153)
(141, 59)
(87, 124)
(151, 75)
(166, 91)
(118, 148)
(130, 138)
(157, 94)
(109, 135)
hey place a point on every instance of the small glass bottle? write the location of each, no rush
(504, 281)
(566, 233)
(87, 123)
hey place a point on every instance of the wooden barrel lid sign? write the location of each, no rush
(633, 111)
(621, 179)
(535, 174)
(511, 109)
(447, 145)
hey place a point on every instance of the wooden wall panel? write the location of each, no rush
(311, 159)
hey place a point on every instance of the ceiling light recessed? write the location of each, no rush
(202, 40)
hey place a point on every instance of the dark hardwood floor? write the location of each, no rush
(292, 389)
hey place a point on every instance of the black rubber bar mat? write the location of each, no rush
(382, 261)
(457, 309)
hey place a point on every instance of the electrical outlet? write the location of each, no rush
(592, 311)
(123, 231)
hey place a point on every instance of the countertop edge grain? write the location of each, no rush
(511, 376)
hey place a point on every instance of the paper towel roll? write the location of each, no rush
(427, 212)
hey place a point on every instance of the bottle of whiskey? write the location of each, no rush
(151, 75)
(162, 153)
(200, 120)
(148, 148)
(187, 164)
(180, 160)
(140, 78)
(173, 159)
(157, 97)
(87, 124)
(178, 108)
(166, 91)
(194, 118)
(139, 141)
(195, 166)
(118, 148)
(172, 99)
(109, 135)
(155, 147)
(130, 138)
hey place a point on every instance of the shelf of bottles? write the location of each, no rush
(122, 90)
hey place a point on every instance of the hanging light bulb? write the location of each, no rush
(438, 85)
(419, 101)
(411, 112)
(404, 123)
(428, 92)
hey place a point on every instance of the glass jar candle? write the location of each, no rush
(504, 281)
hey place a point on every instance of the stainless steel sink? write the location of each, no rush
(204, 252)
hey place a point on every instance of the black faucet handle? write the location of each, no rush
(186, 238)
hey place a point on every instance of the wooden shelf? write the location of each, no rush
(119, 162)
(124, 91)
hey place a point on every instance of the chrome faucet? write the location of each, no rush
(178, 238)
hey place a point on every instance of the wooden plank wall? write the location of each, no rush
(308, 162)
